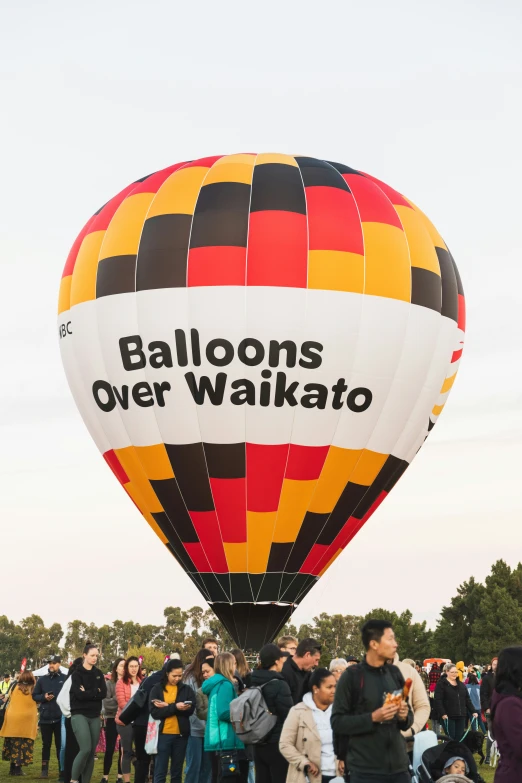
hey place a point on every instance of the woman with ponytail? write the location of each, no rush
(88, 689)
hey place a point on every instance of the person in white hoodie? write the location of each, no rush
(306, 739)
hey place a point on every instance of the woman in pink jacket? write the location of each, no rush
(126, 687)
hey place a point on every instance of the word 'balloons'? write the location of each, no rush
(259, 345)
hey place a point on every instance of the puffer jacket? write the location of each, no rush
(277, 695)
(123, 692)
(452, 700)
(219, 732)
(110, 704)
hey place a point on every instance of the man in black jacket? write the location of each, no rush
(367, 729)
(45, 694)
(487, 687)
(271, 766)
(296, 670)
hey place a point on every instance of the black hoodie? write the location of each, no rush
(88, 701)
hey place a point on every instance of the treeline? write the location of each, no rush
(480, 620)
(182, 632)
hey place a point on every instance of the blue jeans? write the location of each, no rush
(171, 747)
(198, 767)
(62, 748)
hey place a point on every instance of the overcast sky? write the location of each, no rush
(425, 96)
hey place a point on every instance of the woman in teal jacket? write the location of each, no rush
(219, 732)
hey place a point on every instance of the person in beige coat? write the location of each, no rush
(419, 700)
(306, 739)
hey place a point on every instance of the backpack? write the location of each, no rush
(250, 717)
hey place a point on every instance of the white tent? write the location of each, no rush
(45, 670)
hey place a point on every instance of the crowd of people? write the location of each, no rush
(355, 719)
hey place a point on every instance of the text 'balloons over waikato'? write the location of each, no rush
(259, 345)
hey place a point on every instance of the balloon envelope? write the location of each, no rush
(259, 345)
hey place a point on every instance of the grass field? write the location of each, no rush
(33, 772)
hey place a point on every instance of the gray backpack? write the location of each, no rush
(250, 717)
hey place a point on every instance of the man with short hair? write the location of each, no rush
(210, 644)
(367, 729)
(288, 644)
(296, 669)
(45, 694)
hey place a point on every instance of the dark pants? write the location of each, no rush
(111, 735)
(456, 728)
(125, 733)
(368, 777)
(271, 766)
(141, 768)
(216, 768)
(171, 747)
(71, 750)
(48, 731)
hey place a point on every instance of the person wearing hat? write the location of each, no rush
(271, 767)
(46, 694)
(4, 686)
(455, 771)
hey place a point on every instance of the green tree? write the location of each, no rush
(173, 634)
(75, 638)
(452, 635)
(12, 645)
(498, 625)
(414, 639)
(217, 629)
(41, 642)
(152, 658)
(339, 635)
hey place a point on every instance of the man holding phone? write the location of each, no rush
(45, 694)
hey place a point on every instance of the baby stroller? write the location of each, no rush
(431, 757)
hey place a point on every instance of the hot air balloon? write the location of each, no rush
(259, 345)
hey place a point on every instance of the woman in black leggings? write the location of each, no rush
(110, 708)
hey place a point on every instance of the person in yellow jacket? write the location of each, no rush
(20, 725)
(4, 686)
(460, 670)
